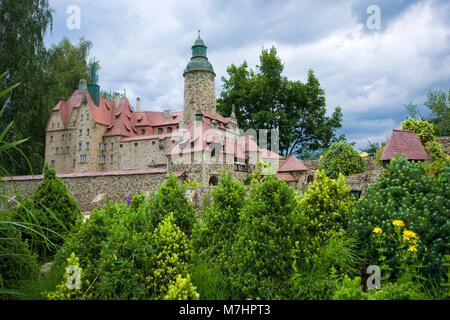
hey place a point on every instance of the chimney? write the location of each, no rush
(138, 104)
(82, 87)
(116, 100)
(167, 114)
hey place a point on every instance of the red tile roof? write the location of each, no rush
(292, 164)
(402, 142)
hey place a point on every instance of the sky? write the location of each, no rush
(370, 64)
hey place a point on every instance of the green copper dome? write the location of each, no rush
(199, 60)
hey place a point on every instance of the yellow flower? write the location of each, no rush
(377, 230)
(409, 235)
(412, 249)
(398, 223)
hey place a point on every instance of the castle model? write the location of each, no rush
(90, 133)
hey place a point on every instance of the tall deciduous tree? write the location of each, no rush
(67, 64)
(265, 99)
(23, 26)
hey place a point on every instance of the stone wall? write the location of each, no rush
(445, 141)
(199, 94)
(92, 190)
(361, 182)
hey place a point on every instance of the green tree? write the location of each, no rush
(260, 263)
(182, 289)
(23, 26)
(53, 210)
(214, 237)
(67, 64)
(342, 158)
(172, 255)
(266, 99)
(171, 198)
(438, 102)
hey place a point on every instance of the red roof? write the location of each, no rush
(286, 176)
(406, 143)
(292, 164)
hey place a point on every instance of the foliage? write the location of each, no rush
(213, 238)
(210, 281)
(265, 99)
(192, 184)
(371, 148)
(262, 169)
(171, 198)
(405, 192)
(317, 272)
(172, 255)
(350, 289)
(436, 151)
(72, 286)
(182, 289)
(438, 102)
(341, 157)
(23, 27)
(260, 262)
(53, 210)
(324, 209)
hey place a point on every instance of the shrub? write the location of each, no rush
(342, 158)
(172, 254)
(350, 289)
(436, 151)
(405, 192)
(210, 281)
(54, 213)
(171, 198)
(182, 289)
(213, 238)
(260, 265)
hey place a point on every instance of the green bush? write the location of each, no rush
(53, 213)
(342, 158)
(171, 198)
(171, 254)
(214, 237)
(260, 264)
(405, 192)
(324, 208)
(182, 289)
(210, 281)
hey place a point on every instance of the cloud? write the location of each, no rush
(144, 46)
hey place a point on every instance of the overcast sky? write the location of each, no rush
(143, 47)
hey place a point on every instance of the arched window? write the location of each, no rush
(310, 179)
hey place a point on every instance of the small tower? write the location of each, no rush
(199, 83)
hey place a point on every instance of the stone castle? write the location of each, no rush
(89, 133)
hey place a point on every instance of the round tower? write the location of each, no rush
(199, 83)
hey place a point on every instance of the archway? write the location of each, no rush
(213, 181)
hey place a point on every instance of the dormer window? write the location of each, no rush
(160, 130)
(143, 131)
(169, 130)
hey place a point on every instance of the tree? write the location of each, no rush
(67, 64)
(216, 235)
(342, 158)
(171, 198)
(53, 210)
(438, 102)
(23, 26)
(265, 99)
(260, 263)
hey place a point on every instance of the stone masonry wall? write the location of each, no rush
(199, 94)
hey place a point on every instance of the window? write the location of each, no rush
(143, 131)
(51, 138)
(53, 126)
(101, 146)
(161, 144)
(52, 163)
(160, 130)
(79, 146)
(213, 153)
(153, 142)
(83, 158)
(81, 133)
(121, 145)
(87, 145)
(112, 158)
(57, 125)
(88, 132)
(102, 159)
(192, 144)
(82, 118)
(73, 163)
(135, 144)
(70, 136)
(57, 150)
(87, 117)
(169, 130)
(112, 145)
(67, 150)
